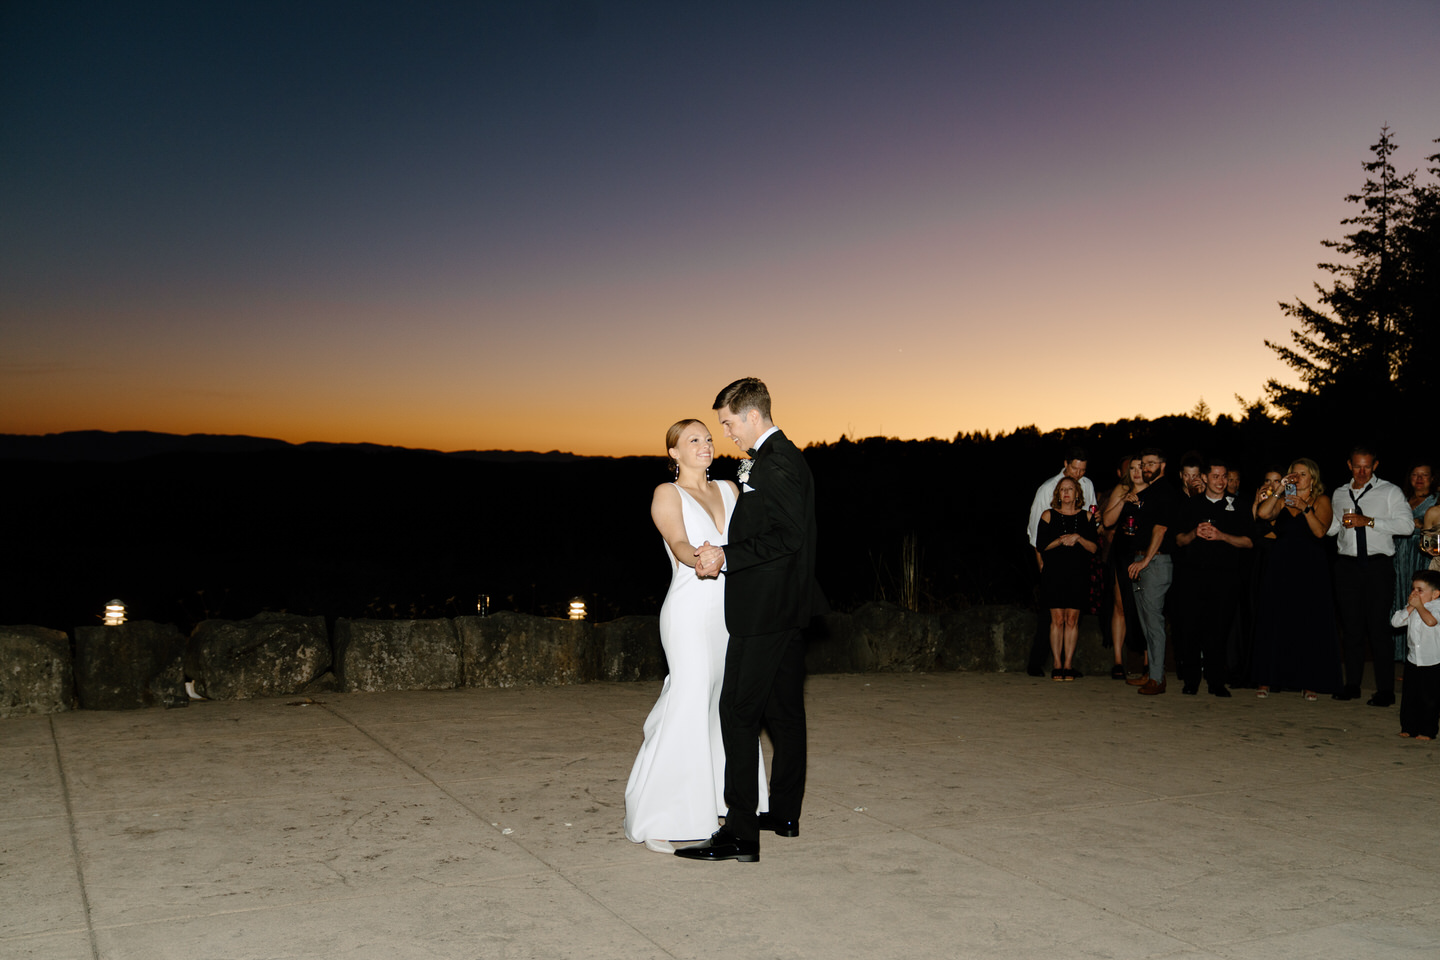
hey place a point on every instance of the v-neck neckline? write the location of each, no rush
(706, 509)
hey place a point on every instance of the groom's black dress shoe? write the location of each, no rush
(722, 845)
(782, 828)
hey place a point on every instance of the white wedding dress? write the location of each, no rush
(676, 789)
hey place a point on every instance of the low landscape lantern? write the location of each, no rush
(114, 613)
(577, 609)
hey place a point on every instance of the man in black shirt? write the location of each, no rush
(1151, 571)
(1212, 535)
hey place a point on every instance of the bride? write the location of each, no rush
(676, 790)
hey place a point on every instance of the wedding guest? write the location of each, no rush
(1262, 535)
(1068, 541)
(1269, 488)
(1371, 512)
(1151, 570)
(1191, 483)
(1213, 535)
(1073, 466)
(1428, 545)
(1420, 494)
(1121, 517)
(1420, 704)
(1295, 646)
(1237, 643)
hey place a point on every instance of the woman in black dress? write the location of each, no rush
(1296, 645)
(1068, 541)
(1121, 517)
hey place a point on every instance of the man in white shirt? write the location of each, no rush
(1074, 468)
(1369, 514)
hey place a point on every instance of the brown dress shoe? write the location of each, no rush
(1151, 688)
(1139, 681)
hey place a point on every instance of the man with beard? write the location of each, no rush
(1151, 572)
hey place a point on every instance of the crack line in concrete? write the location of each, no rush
(74, 840)
(476, 814)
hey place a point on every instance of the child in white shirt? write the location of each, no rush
(1420, 697)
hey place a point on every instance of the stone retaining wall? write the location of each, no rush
(143, 664)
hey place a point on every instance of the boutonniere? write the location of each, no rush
(743, 474)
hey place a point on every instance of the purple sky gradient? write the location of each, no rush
(566, 225)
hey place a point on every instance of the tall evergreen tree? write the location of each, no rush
(1418, 380)
(1348, 349)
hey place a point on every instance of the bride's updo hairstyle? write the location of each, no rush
(672, 437)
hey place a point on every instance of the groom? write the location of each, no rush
(770, 596)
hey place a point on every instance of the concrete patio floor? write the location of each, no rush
(948, 815)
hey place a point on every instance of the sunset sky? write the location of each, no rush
(564, 225)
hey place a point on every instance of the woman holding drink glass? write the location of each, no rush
(1296, 645)
(1121, 517)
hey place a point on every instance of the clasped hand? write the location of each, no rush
(708, 560)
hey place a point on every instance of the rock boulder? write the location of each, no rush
(833, 645)
(374, 655)
(899, 640)
(985, 639)
(630, 649)
(268, 655)
(37, 674)
(137, 664)
(516, 649)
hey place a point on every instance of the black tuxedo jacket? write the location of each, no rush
(770, 557)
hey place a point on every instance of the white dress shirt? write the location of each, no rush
(1422, 640)
(1379, 499)
(1046, 493)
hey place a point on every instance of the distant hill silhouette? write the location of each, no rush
(103, 446)
(190, 527)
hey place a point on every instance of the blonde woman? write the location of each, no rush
(1296, 643)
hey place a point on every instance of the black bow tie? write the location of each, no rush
(751, 454)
